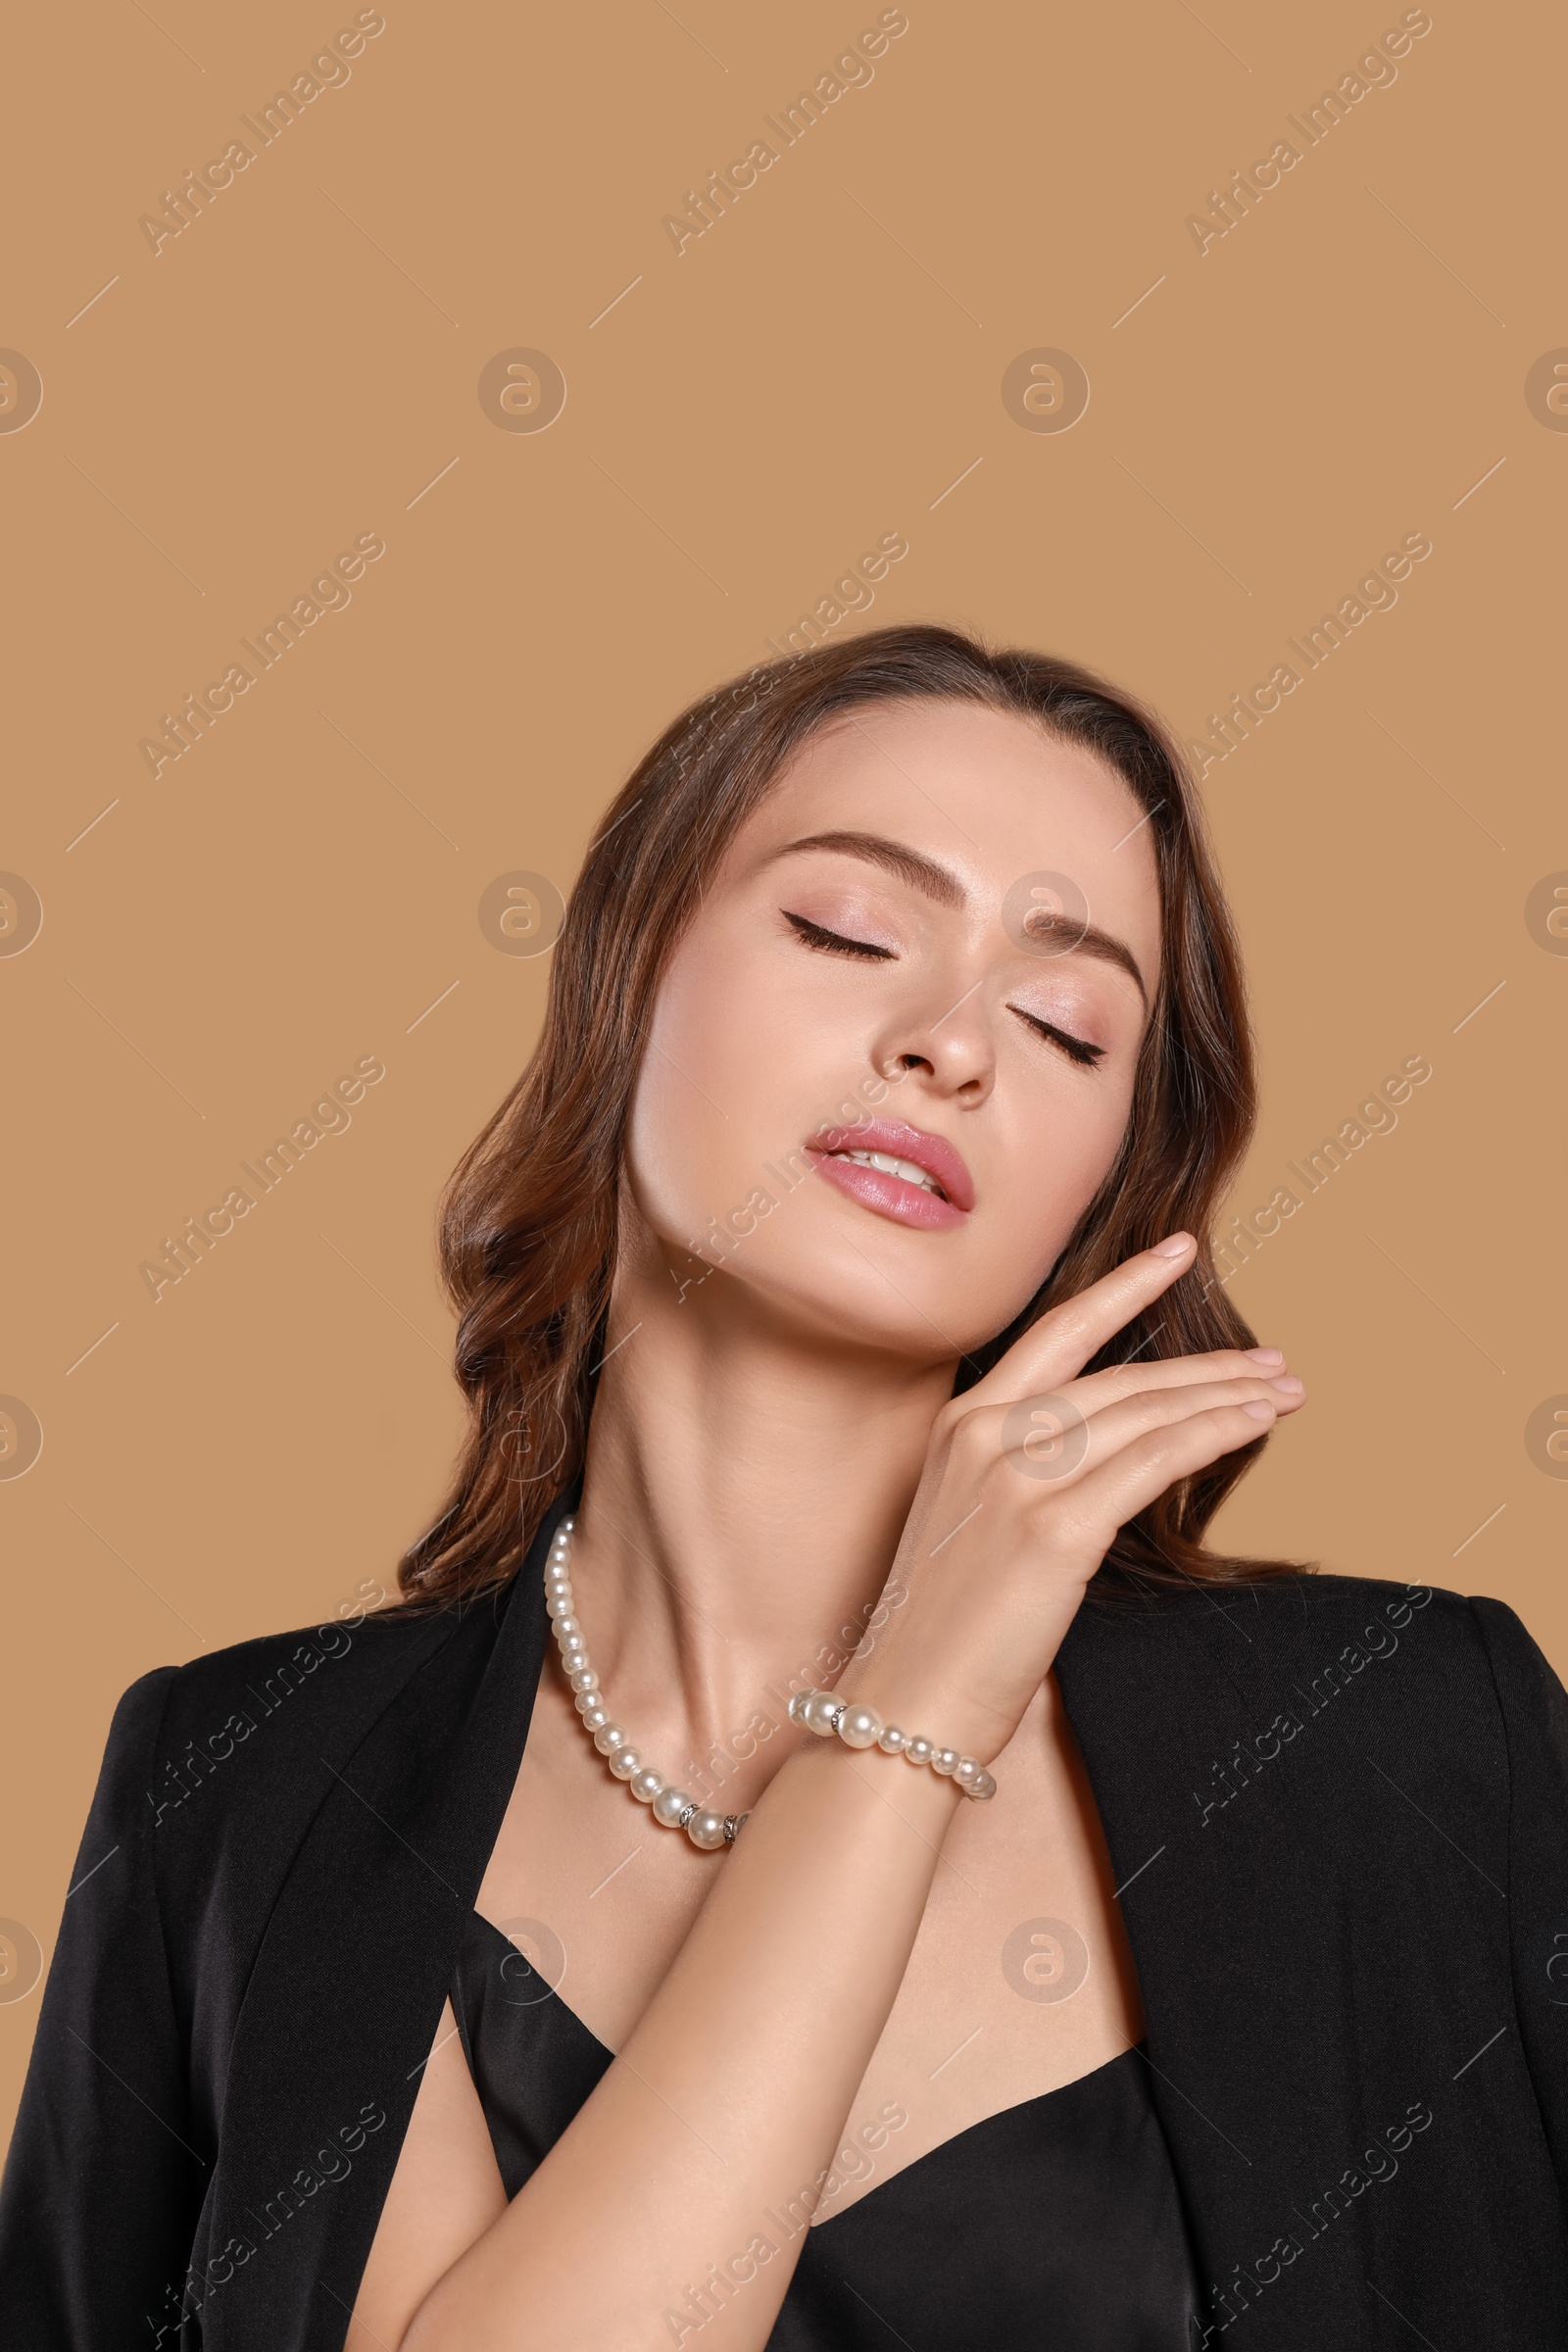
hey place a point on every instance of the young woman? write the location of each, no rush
(822, 1855)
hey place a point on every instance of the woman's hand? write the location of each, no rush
(1029, 1476)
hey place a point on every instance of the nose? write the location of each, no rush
(949, 1046)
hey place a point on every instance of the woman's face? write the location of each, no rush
(935, 945)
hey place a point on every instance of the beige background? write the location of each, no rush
(300, 365)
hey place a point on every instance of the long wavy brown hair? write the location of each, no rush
(528, 1218)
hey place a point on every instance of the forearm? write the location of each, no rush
(729, 2096)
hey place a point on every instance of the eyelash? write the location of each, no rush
(833, 943)
(1077, 1048)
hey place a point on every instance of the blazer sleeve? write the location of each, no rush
(1535, 1717)
(104, 2185)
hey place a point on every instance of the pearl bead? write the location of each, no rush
(966, 1771)
(574, 1654)
(565, 1627)
(891, 1740)
(818, 1712)
(609, 1736)
(944, 1760)
(670, 1804)
(624, 1762)
(984, 1787)
(798, 1706)
(646, 1785)
(584, 1678)
(705, 1829)
(918, 1751)
(861, 1727)
(596, 1716)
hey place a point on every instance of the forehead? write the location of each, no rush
(990, 796)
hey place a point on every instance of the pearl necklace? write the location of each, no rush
(818, 1711)
(675, 1808)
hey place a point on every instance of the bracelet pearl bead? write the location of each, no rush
(858, 1725)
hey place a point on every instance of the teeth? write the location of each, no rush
(894, 1168)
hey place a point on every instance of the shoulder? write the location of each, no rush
(1451, 1682)
(1356, 1621)
(1375, 1615)
(238, 1737)
(1303, 1611)
(1441, 1675)
(1464, 1632)
(345, 1661)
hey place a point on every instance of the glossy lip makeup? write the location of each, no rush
(897, 1171)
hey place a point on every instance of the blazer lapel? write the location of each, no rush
(346, 1993)
(1307, 1819)
(1261, 2106)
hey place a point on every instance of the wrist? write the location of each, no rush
(861, 1725)
(915, 1695)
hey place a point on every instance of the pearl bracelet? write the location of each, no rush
(822, 1712)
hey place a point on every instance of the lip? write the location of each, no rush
(894, 1196)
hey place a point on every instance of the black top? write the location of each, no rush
(1056, 2222)
(1335, 1809)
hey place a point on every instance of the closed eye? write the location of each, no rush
(1078, 1048)
(833, 943)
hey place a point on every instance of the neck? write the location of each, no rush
(745, 1491)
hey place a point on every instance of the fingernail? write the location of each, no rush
(1267, 1356)
(1175, 1246)
(1258, 1411)
(1290, 1385)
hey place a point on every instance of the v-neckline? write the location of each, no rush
(552, 1998)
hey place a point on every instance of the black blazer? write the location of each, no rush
(1337, 1809)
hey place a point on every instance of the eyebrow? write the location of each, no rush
(922, 872)
(940, 883)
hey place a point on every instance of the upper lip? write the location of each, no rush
(933, 1152)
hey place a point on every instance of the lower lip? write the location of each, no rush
(890, 1196)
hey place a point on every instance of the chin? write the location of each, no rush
(829, 1288)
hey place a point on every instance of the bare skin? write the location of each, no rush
(773, 1450)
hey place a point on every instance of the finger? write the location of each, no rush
(1121, 1424)
(1095, 1389)
(1128, 1481)
(1048, 1439)
(1056, 1347)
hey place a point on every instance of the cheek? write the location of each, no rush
(1064, 1132)
(739, 1067)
